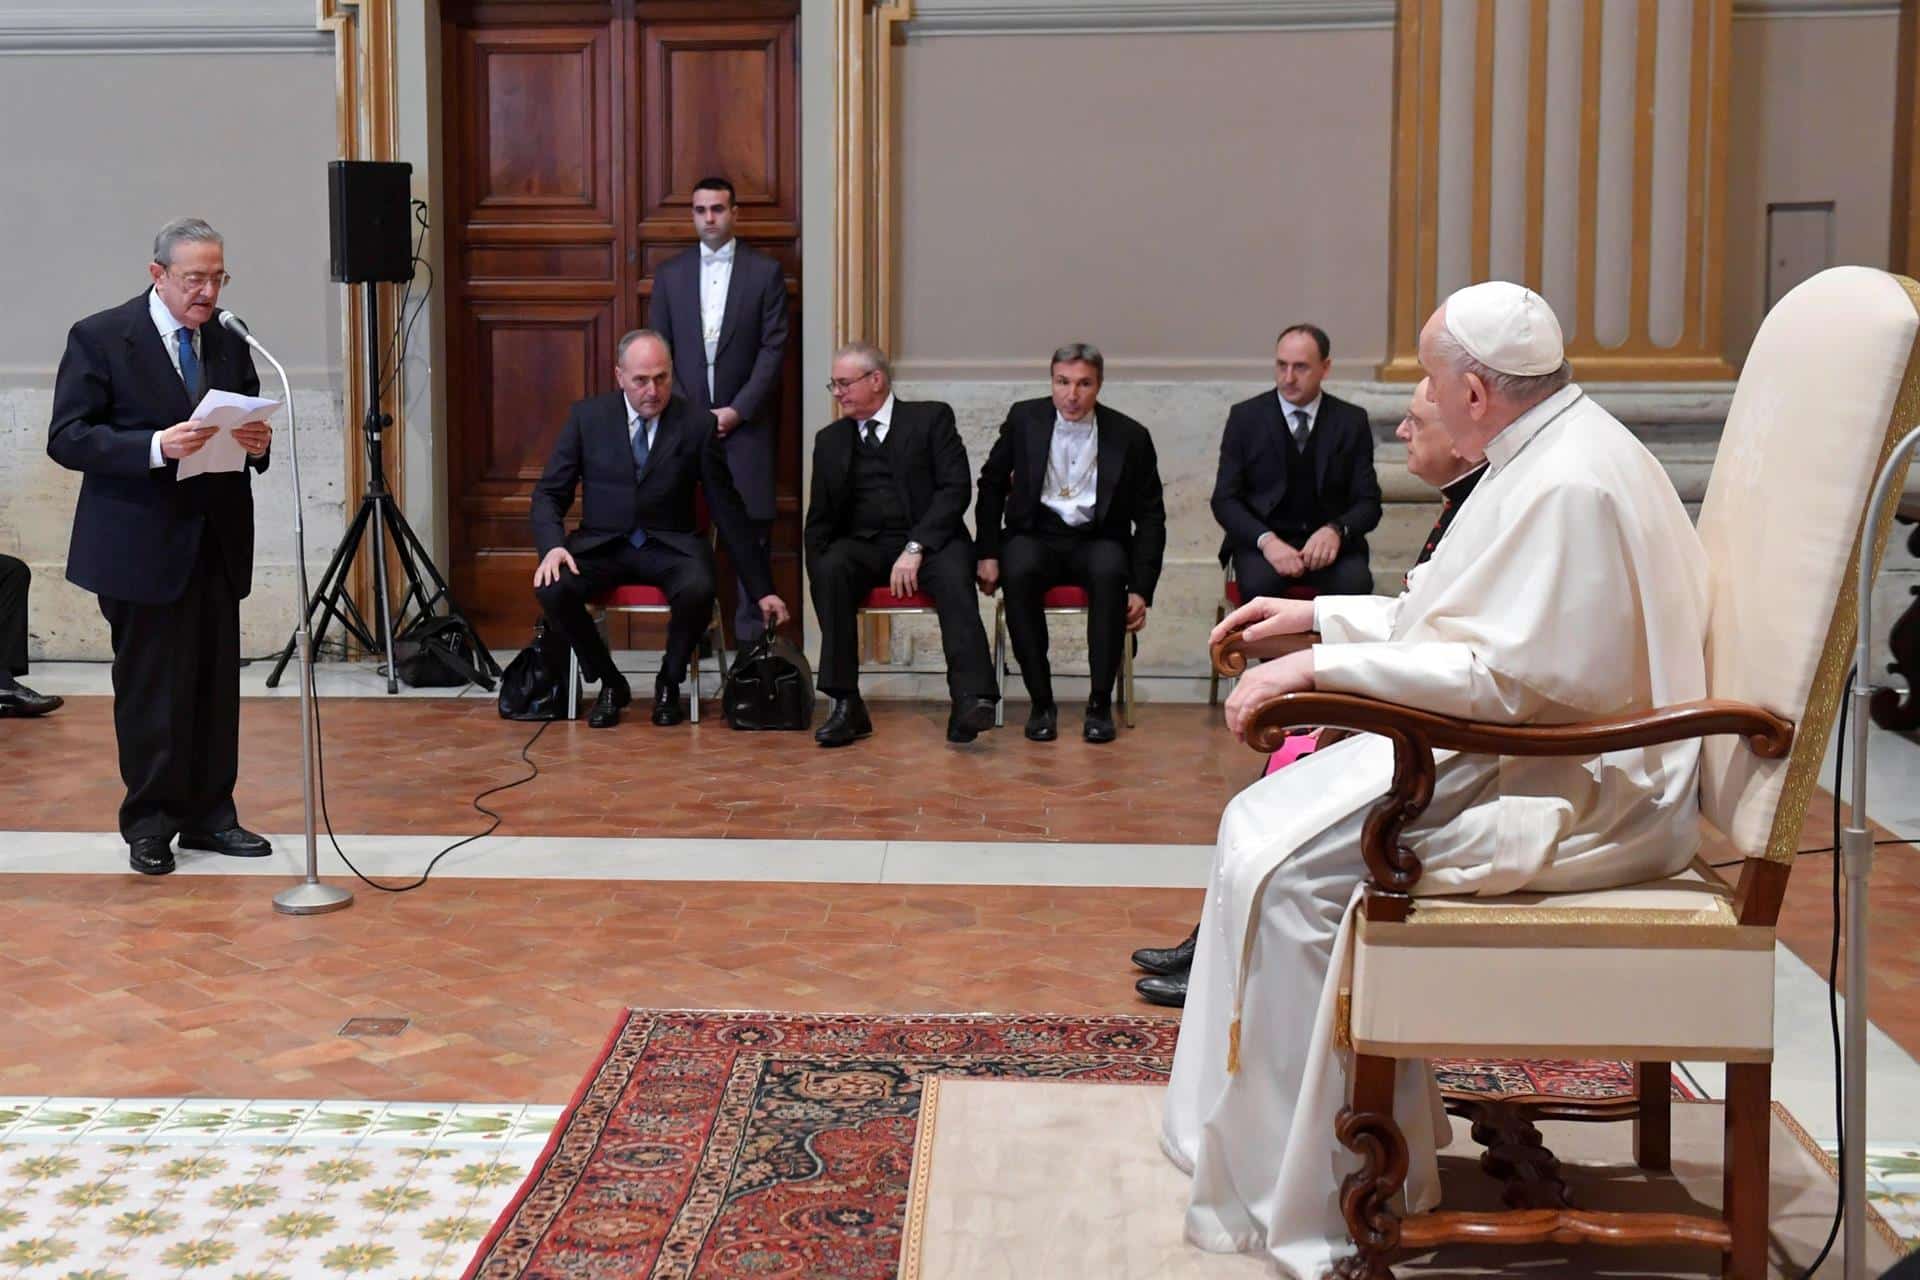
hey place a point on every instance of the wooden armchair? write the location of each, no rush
(1594, 974)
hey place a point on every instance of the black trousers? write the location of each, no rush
(748, 622)
(1348, 575)
(1030, 564)
(842, 576)
(15, 578)
(686, 580)
(176, 703)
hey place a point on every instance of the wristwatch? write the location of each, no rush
(1340, 527)
(915, 549)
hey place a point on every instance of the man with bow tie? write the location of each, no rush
(721, 306)
(638, 454)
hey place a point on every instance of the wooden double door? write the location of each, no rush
(573, 134)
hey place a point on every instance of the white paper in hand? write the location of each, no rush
(225, 410)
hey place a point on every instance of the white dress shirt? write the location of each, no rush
(165, 321)
(882, 418)
(1073, 470)
(716, 274)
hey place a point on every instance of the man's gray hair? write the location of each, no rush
(871, 356)
(632, 336)
(183, 231)
(1520, 389)
(1080, 353)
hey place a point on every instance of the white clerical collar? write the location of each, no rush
(1288, 408)
(1516, 434)
(723, 254)
(163, 320)
(1061, 422)
(883, 415)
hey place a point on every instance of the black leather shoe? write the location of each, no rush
(235, 842)
(150, 855)
(1099, 725)
(606, 707)
(23, 703)
(1164, 960)
(847, 723)
(1169, 990)
(667, 707)
(1043, 723)
(970, 716)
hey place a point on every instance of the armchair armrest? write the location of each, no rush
(1392, 868)
(1229, 654)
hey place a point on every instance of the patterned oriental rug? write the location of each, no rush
(722, 1145)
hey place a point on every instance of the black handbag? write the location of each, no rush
(438, 652)
(534, 686)
(770, 687)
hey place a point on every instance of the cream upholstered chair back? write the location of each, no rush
(1831, 384)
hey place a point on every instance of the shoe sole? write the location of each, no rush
(153, 871)
(229, 853)
(979, 720)
(844, 742)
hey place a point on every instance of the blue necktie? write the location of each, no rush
(639, 536)
(189, 364)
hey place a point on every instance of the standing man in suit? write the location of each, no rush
(170, 559)
(890, 491)
(721, 306)
(638, 453)
(16, 700)
(1296, 492)
(1078, 487)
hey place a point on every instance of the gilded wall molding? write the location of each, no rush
(1904, 244)
(866, 173)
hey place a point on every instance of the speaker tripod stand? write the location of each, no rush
(381, 515)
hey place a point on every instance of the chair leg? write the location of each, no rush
(1213, 677)
(1653, 1127)
(693, 669)
(573, 684)
(1000, 660)
(1746, 1178)
(1366, 1127)
(1126, 680)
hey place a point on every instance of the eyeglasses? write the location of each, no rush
(841, 384)
(198, 280)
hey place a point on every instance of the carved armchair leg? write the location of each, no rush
(1366, 1127)
(1653, 1127)
(1746, 1177)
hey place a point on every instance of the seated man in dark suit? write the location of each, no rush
(1296, 491)
(1070, 495)
(890, 490)
(638, 453)
(15, 698)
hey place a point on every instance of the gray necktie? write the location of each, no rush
(1300, 428)
(872, 427)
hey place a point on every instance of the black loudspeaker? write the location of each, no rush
(369, 203)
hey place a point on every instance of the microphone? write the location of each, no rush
(235, 325)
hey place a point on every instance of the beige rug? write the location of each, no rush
(1017, 1178)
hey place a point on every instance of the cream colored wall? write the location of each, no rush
(97, 159)
(1812, 119)
(1173, 198)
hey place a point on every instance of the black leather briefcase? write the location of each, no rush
(770, 687)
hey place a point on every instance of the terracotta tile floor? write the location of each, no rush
(409, 765)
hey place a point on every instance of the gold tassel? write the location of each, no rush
(1233, 1048)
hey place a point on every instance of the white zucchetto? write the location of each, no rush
(1507, 327)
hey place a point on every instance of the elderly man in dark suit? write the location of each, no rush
(889, 504)
(1296, 492)
(1077, 486)
(638, 453)
(170, 559)
(722, 308)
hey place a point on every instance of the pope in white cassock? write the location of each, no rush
(1570, 586)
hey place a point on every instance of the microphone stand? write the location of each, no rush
(1856, 851)
(310, 897)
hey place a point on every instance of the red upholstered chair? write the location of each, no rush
(882, 601)
(1058, 600)
(635, 599)
(1231, 599)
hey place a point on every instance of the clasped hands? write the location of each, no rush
(184, 439)
(1268, 628)
(1319, 551)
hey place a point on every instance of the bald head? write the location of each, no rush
(643, 366)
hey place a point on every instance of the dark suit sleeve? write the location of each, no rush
(1242, 524)
(553, 493)
(730, 512)
(817, 533)
(81, 435)
(996, 480)
(1149, 521)
(1363, 516)
(660, 309)
(773, 345)
(945, 517)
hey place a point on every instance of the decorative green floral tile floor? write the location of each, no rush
(166, 1189)
(1893, 1187)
